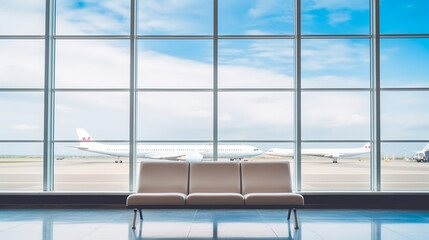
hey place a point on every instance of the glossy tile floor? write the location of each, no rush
(211, 224)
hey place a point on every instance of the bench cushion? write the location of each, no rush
(215, 199)
(139, 199)
(265, 177)
(163, 177)
(277, 199)
(214, 177)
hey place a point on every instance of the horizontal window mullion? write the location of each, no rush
(18, 37)
(256, 89)
(336, 141)
(256, 141)
(256, 37)
(160, 37)
(98, 141)
(21, 141)
(364, 36)
(404, 35)
(91, 37)
(21, 89)
(91, 90)
(334, 89)
(402, 141)
(174, 141)
(404, 89)
(174, 90)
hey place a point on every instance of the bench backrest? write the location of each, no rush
(164, 177)
(214, 177)
(265, 177)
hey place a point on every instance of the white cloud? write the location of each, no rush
(175, 17)
(332, 81)
(334, 54)
(25, 127)
(22, 17)
(336, 4)
(264, 8)
(95, 17)
(339, 17)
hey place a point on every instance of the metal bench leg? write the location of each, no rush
(296, 219)
(141, 214)
(134, 218)
(288, 214)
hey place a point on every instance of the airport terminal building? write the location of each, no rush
(90, 90)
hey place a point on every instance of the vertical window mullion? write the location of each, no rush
(375, 97)
(215, 79)
(297, 50)
(49, 98)
(133, 96)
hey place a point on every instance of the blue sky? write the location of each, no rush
(250, 63)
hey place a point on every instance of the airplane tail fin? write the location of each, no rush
(367, 146)
(426, 148)
(86, 138)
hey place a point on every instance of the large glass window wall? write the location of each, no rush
(90, 89)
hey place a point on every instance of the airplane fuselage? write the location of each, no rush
(173, 151)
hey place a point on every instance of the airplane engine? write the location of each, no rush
(194, 157)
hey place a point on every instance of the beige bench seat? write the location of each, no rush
(151, 199)
(215, 184)
(210, 199)
(273, 199)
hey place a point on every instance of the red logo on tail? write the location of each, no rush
(86, 139)
(367, 147)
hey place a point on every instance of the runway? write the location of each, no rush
(103, 174)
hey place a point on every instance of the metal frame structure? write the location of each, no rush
(49, 89)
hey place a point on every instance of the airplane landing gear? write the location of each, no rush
(335, 160)
(118, 161)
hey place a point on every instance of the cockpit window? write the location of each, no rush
(255, 149)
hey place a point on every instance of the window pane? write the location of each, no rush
(175, 64)
(335, 115)
(404, 166)
(22, 17)
(255, 116)
(93, 17)
(21, 116)
(256, 63)
(21, 166)
(256, 17)
(92, 64)
(22, 63)
(335, 63)
(175, 116)
(404, 17)
(77, 170)
(170, 17)
(404, 62)
(335, 17)
(350, 173)
(403, 115)
(104, 115)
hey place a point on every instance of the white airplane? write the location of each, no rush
(190, 153)
(422, 156)
(326, 153)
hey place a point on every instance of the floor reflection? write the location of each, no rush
(66, 224)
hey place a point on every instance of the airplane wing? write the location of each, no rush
(171, 156)
(176, 156)
(325, 155)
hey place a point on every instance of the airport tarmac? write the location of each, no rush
(103, 174)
